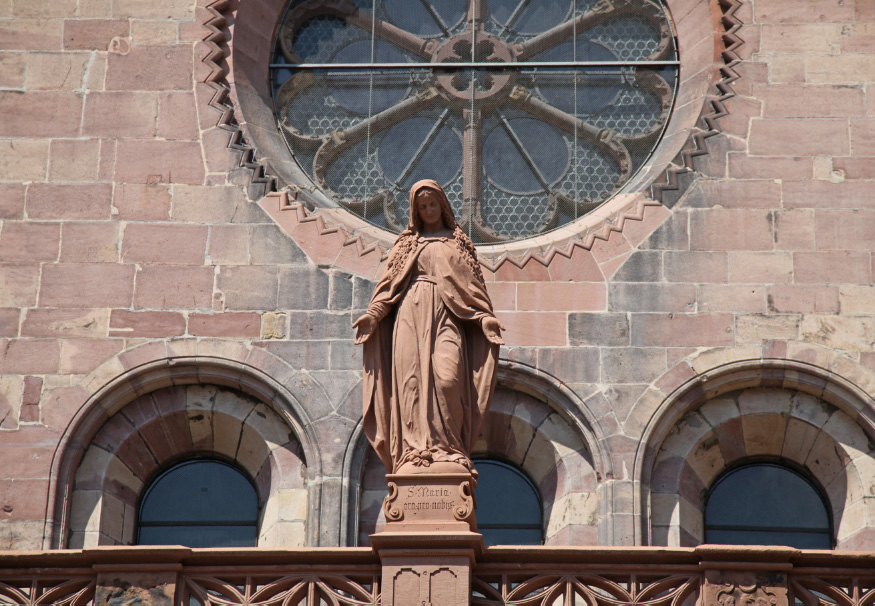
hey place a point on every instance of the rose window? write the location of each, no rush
(530, 113)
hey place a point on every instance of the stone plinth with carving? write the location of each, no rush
(430, 502)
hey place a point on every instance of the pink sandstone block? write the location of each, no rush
(682, 330)
(177, 118)
(29, 242)
(20, 287)
(81, 356)
(93, 34)
(805, 136)
(580, 267)
(26, 356)
(159, 162)
(74, 159)
(174, 287)
(141, 202)
(164, 243)
(150, 68)
(84, 285)
(32, 108)
(225, 325)
(561, 296)
(832, 267)
(546, 328)
(45, 201)
(533, 270)
(151, 324)
(64, 323)
(87, 242)
(12, 201)
(120, 114)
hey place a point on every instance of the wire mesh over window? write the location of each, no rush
(508, 505)
(199, 503)
(530, 113)
(767, 504)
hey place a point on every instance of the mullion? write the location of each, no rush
(473, 65)
(194, 524)
(784, 529)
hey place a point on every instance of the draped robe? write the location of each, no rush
(429, 371)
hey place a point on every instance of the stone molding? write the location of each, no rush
(350, 243)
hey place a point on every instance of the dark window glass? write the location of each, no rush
(199, 503)
(529, 114)
(767, 504)
(508, 506)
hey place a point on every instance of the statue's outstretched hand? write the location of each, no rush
(364, 327)
(492, 329)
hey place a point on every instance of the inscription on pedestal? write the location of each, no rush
(447, 498)
(425, 498)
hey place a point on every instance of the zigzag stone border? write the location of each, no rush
(371, 245)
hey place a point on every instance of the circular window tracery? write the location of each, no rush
(530, 114)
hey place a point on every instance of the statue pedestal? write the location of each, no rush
(429, 544)
(439, 502)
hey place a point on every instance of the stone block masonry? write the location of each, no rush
(129, 234)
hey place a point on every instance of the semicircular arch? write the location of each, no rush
(154, 366)
(671, 472)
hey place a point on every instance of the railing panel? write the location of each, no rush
(37, 587)
(549, 587)
(832, 588)
(299, 588)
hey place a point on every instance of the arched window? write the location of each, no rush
(508, 505)
(767, 504)
(199, 503)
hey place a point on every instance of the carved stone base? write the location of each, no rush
(431, 568)
(438, 502)
(741, 588)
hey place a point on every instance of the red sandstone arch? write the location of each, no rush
(131, 375)
(812, 407)
(165, 426)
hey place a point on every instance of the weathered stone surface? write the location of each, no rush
(134, 115)
(150, 68)
(74, 159)
(174, 287)
(31, 108)
(24, 242)
(69, 201)
(163, 243)
(154, 162)
(84, 285)
(225, 325)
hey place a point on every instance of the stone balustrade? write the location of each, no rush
(708, 575)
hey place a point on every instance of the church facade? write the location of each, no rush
(196, 197)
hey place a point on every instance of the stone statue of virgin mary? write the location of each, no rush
(430, 344)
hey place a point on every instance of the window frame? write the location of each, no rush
(178, 464)
(499, 462)
(786, 466)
